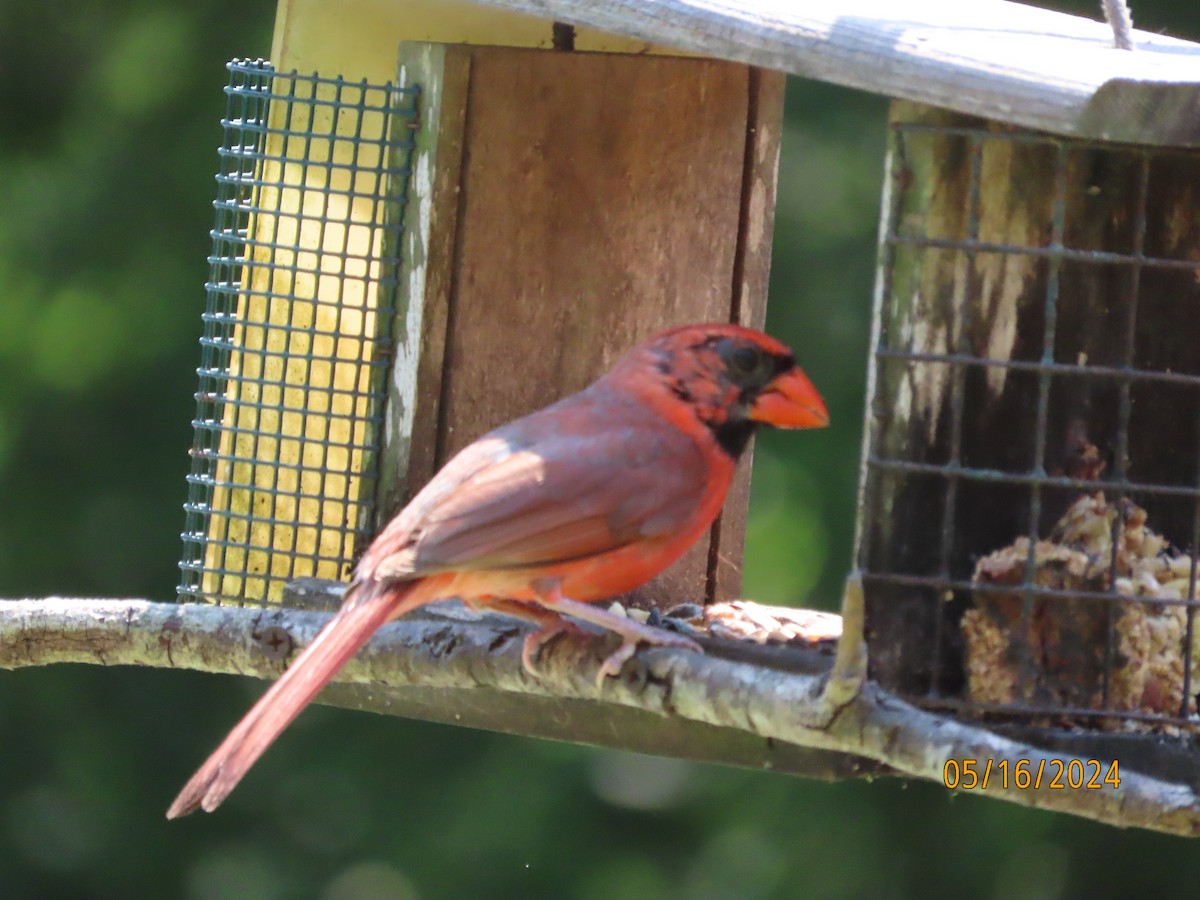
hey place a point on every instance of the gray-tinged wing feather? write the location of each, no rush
(535, 493)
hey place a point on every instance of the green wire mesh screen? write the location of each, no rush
(297, 330)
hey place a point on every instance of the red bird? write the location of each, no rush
(585, 499)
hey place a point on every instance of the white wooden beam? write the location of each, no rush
(990, 58)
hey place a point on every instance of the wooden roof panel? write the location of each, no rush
(992, 58)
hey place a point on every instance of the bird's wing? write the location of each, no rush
(554, 494)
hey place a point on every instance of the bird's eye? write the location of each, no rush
(745, 363)
(745, 360)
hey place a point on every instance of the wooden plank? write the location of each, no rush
(601, 201)
(1005, 61)
(423, 287)
(752, 270)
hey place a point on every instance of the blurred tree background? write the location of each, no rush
(107, 152)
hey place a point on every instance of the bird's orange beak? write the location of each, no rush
(790, 401)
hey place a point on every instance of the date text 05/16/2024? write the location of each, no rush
(1026, 774)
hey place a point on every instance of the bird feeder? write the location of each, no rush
(1030, 516)
(459, 216)
(409, 253)
(1034, 429)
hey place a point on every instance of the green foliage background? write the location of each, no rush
(108, 130)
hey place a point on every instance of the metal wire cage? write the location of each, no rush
(1030, 510)
(297, 330)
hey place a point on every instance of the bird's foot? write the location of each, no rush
(631, 631)
(550, 624)
(548, 614)
(536, 640)
(632, 634)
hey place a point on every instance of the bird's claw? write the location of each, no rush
(535, 640)
(654, 637)
(615, 661)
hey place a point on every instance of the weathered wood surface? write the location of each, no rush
(1126, 309)
(751, 272)
(576, 204)
(413, 409)
(1000, 60)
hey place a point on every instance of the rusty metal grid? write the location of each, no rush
(297, 330)
(940, 583)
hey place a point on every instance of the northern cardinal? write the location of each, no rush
(585, 499)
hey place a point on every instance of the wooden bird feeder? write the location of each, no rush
(566, 194)
(473, 208)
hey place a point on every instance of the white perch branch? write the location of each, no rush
(452, 666)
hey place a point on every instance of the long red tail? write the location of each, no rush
(352, 627)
